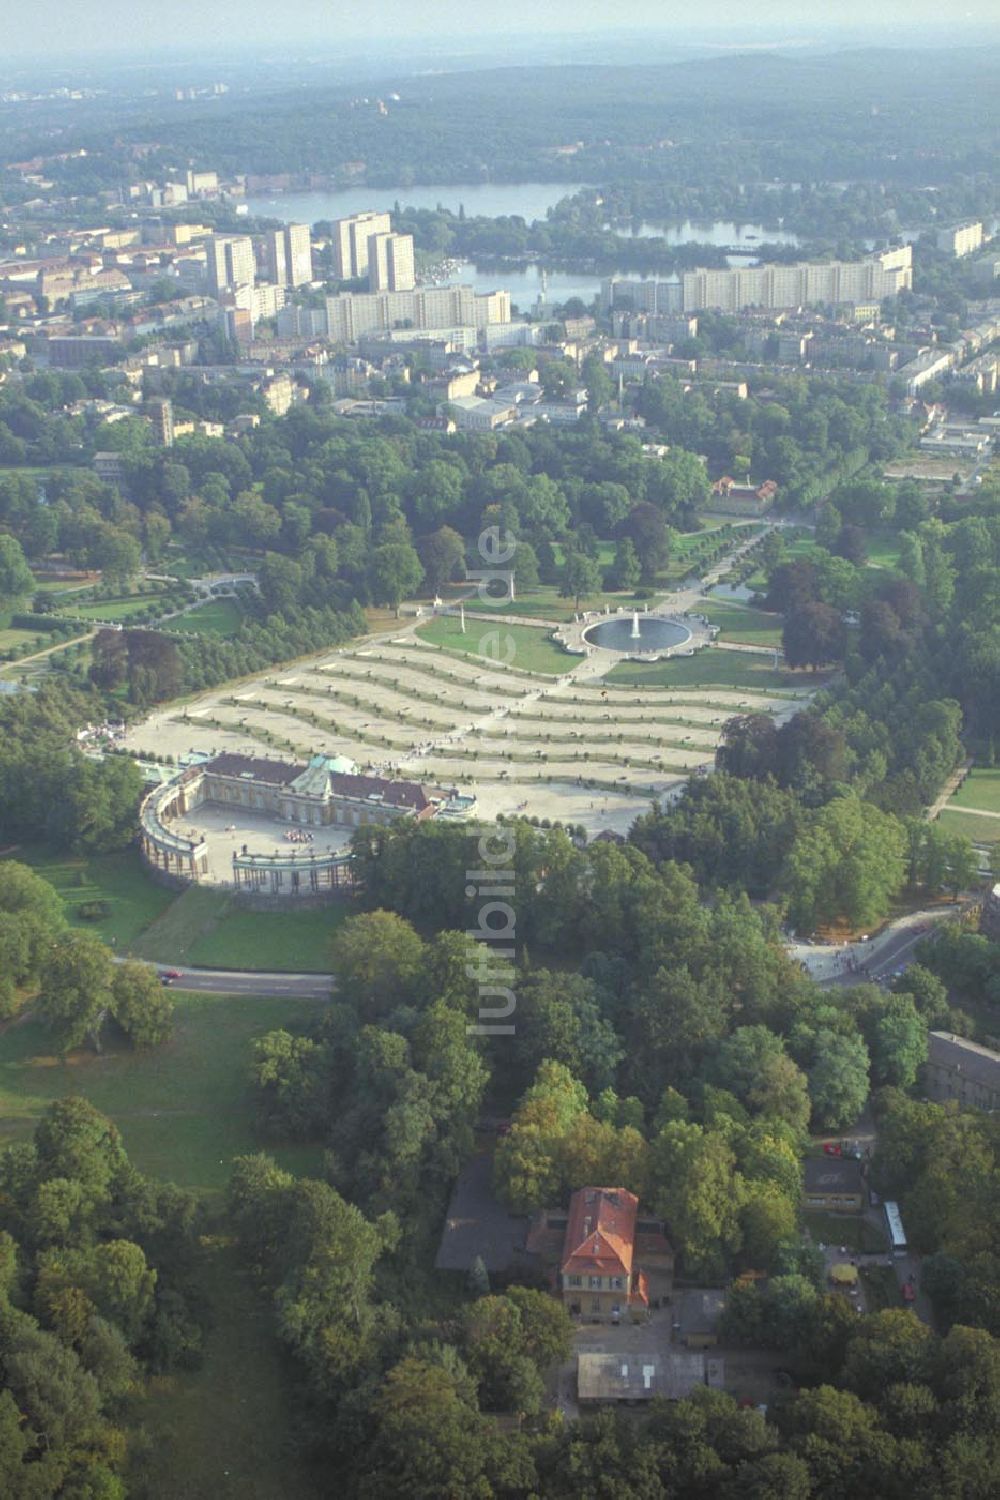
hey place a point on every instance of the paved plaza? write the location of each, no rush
(262, 835)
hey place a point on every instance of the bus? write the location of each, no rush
(894, 1224)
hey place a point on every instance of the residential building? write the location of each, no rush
(390, 263)
(774, 286)
(959, 1069)
(295, 321)
(161, 415)
(349, 242)
(230, 262)
(834, 1183)
(598, 1275)
(202, 184)
(76, 352)
(631, 294)
(287, 255)
(480, 414)
(964, 239)
(351, 314)
(279, 393)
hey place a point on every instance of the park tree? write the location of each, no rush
(528, 1161)
(625, 571)
(559, 1019)
(600, 387)
(847, 861)
(813, 636)
(442, 556)
(695, 1191)
(648, 531)
(140, 1005)
(31, 917)
(838, 1079)
(581, 577)
(377, 960)
(897, 1038)
(748, 747)
(290, 1079)
(76, 990)
(394, 573)
(16, 578)
(428, 1439)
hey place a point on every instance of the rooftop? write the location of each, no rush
(832, 1174)
(600, 1232)
(639, 1377)
(979, 1063)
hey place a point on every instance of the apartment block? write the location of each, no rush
(776, 286)
(390, 263)
(350, 315)
(229, 262)
(287, 255)
(350, 242)
(964, 239)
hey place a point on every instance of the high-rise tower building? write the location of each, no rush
(288, 255)
(230, 262)
(390, 263)
(350, 242)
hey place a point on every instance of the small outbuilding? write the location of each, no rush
(834, 1183)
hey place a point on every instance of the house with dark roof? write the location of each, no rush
(834, 1183)
(599, 1275)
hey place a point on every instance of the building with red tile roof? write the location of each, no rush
(598, 1275)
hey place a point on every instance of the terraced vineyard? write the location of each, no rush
(573, 747)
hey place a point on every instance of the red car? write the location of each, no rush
(171, 974)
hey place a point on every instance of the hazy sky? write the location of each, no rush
(64, 26)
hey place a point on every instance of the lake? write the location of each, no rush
(530, 200)
(709, 232)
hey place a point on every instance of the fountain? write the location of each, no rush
(644, 634)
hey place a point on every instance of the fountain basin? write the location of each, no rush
(654, 634)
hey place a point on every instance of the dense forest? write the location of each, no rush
(743, 118)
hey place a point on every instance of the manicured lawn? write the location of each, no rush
(120, 879)
(218, 617)
(743, 623)
(182, 1108)
(520, 646)
(207, 927)
(882, 550)
(293, 940)
(197, 926)
(714, 668)
(112, 609)
(981, 788)
(980, 830)
(844, 1229)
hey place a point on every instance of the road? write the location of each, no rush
(253, 985)
(888, 950)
